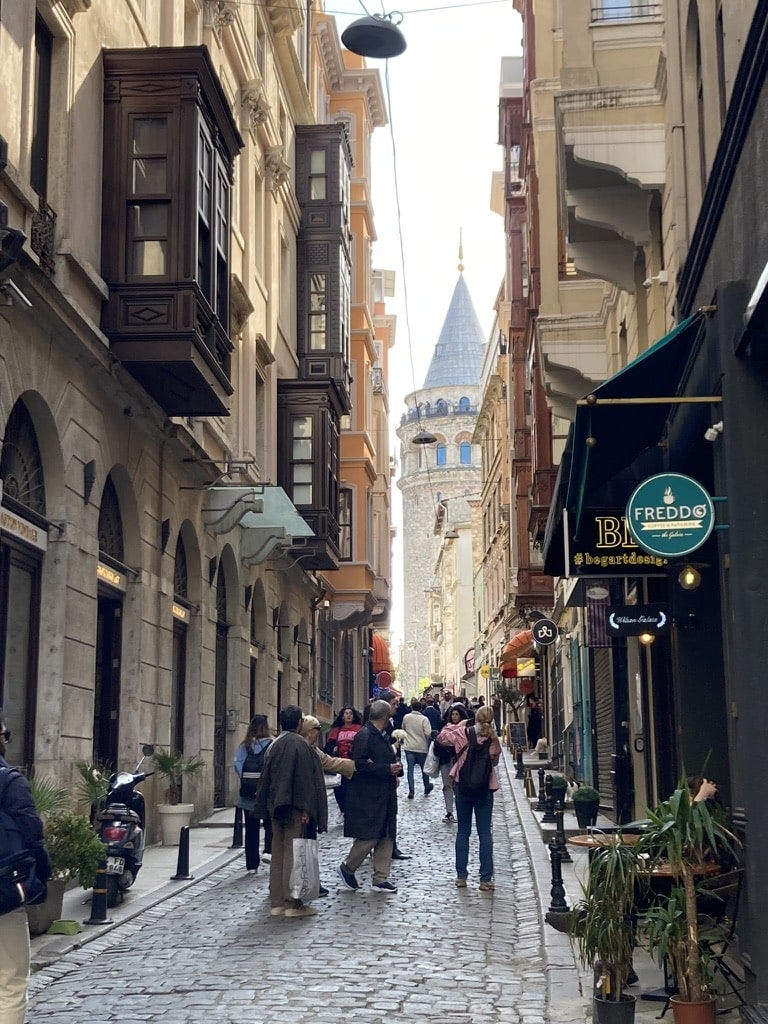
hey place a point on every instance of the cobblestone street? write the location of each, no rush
(429, 953)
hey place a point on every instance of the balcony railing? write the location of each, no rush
(615, 10)
(444, 409)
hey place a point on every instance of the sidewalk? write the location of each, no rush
(210, 845)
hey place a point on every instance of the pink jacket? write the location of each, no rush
(456, 736)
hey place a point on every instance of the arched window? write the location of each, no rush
(441, 455)
(21, 468)
(441, 407)
(465, 453)
(110, 523)
(464, 404)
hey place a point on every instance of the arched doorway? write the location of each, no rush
(24, 541)
(181, 615)
(109, 628)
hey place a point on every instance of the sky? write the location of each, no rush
(443, 105)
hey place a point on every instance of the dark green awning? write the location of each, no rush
(627, 415)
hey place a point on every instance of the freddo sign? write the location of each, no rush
(670, 514)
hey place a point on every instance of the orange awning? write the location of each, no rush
(517, 646)
(381, 661)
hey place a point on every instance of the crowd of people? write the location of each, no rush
(283, 785)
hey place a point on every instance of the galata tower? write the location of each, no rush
(445, 407)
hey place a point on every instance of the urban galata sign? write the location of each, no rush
(670, 515)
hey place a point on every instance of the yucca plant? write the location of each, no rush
(175, 767)
(603, 922)
(48, 797)
(685, 834)
(92, 783)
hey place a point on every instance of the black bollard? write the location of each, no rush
(558, 904)
(541, 805)
(520, 773)
(237, 831)
(182, 862)
(565, 857)
(530, 789)
(99, 900)
(549, 803)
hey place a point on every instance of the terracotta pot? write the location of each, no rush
(172, 818)
(693, 1013)
(612, 1011)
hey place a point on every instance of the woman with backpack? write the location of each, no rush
(475, 781)
(249, 761)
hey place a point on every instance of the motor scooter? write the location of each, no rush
(120, 824)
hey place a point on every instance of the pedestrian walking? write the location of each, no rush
(346, 726)
(434, 716)
(16, 801)
(418, 731)
(371, 811)
(394, 726)
(249, 763)
(477, 747)
(292, 791)
(446, 755)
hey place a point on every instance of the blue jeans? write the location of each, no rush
(483, 808)
(412, 758)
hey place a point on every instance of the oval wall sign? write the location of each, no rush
(670, 514)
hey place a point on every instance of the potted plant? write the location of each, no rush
(586, 804)
(686, 834)
(603, 928)
(559, 788)
(174, 814)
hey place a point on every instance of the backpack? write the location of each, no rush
(18, 882)
(252, 769)
(475, 773)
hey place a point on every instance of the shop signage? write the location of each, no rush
(113, 578)
(670, 514)
(180, 612)
(544, 632)
(606, 547)
(495, 675)
(253, 651)
(23, 530)
(634, 619)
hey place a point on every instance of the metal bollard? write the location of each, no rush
(530, 789)
(549, 803)
(519, 773)
(99, 899)
(559, 840)
(182, 861)
(237, 831)
(558, 904)
(541, 805)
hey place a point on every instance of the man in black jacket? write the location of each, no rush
(14, 931)
(370, 814)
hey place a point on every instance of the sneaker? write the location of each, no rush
(323, 891)
(384, 887)
(460, 883)
(487, 887)
(266, 857)
(276, 911)
(449, 816)
(399, 855)
(410, 795)
(300, 911)
(347, 877)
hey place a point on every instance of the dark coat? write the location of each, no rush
(370, 811)
(18, 803)
(292, 780)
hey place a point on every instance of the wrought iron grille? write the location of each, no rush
(43, 235)
(21, 467)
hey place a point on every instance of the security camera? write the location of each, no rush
(712, 433)
(661, 278)
(647, 282)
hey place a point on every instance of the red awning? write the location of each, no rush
(381, 660)
(517, 646)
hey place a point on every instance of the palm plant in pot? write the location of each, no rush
(603, 927)
(686, 833)
(174, 814)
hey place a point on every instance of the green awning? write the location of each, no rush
(607, 438)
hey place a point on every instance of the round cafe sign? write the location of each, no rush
(670, 515)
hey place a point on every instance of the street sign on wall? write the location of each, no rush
(670, 515)
(544, 631)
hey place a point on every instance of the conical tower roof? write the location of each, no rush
(458, 355)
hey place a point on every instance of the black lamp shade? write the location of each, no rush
(374, 37)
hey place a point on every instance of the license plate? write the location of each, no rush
(115, 865)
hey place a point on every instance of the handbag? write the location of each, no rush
(332, 780)
(304, 883)
(431, 762)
